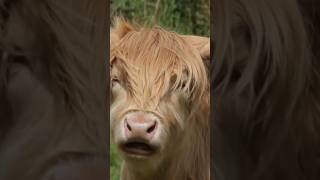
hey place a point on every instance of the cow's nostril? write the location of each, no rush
(152, 128)
(129, 127)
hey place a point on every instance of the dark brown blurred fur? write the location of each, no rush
(52, 89)
(266, 90)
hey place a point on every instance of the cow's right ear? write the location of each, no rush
(202, 44)
(119, 30)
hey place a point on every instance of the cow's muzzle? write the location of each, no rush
(140, 129)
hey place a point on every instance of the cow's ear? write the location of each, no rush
(202, 44)
(119, 30)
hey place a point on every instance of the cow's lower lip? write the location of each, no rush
(138, 148)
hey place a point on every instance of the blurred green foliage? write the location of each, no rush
(182, 16)
(115, 163)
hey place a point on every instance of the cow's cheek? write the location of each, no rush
(178, 129)
(116, 123)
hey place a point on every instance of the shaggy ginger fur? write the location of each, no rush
(153, 70)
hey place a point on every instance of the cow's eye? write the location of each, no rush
(183, 85)
(115, 81)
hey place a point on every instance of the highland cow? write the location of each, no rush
(160, 103)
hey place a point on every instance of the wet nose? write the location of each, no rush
(140, 125)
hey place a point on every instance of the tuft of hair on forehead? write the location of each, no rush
(120, 28)
(159, 60)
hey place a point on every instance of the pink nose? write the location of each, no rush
(140, 125)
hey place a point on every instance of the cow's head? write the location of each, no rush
(158, 80)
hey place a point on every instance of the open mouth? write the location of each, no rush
(138, 148)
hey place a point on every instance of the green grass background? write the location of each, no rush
(182, 16)
(115, 163)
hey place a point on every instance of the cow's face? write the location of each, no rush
(156, 77)
(144, 126)
(145, 132)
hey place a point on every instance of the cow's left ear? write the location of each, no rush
(202, 44)
(119, 30)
